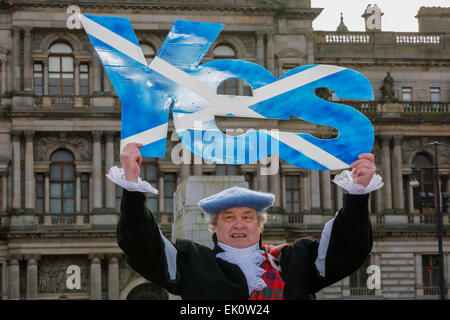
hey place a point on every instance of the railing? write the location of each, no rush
(367, 107)
(394, 38)
(425, 107)
(295, 218)
(362, 292)
(61, 101)
(414, 38)
(430, 291)
(70, 219)
(347, 38)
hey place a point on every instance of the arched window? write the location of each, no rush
(62, 182)
(60, 70)
(149, 52)
(231, 86)
(424, 193)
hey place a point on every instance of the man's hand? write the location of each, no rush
(363, 169)
(131, 159)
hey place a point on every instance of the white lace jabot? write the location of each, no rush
(249, 261)
(117, 176)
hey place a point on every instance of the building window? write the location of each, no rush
(170, 184)
(435, 94)
(60, 70)
(38, 78)
(358, 281)
(84, 192)
(423, 195)
(293, 194)
(149, 173)
(62, 182)
(149, 53)
(430, 274)
(84, 79)
(227, 170)
(232, 87)
(287, 67)
(40, 193)
(406, 94)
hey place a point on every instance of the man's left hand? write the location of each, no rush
(363, 169)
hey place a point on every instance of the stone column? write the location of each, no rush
(78, 192)
(379, 200)
(306, 191)
(263, 184)
(29, 172)
(45, 84)
(113, 279)
(109, 162)
(397, 176)
(198, 171)
(96, 72)
(16, 170)
(310, 46)
(16, 57)
(32, 278)
(27, 67)
(386, 167)
(95, 279)
(4, 78)
(325, 191)
(410, 199)
(13, 279)
(161, 194)
(275, 183)
(260, 48)
(97, 170)
(76, 80)
(47, 192)
(283, 191)
(5, 192)
(270, 62)
(185, 166)
(106, 82)
(91, 193)
(315, 191)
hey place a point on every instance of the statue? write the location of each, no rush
(387, 89)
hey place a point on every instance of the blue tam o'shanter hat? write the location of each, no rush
(236, 197)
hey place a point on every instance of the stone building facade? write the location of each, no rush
(60, 133)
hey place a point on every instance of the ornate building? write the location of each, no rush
(60, 132)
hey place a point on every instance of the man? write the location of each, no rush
(239, 266)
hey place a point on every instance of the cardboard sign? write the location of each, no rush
(176, 77)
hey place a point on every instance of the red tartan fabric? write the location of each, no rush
(275, 284)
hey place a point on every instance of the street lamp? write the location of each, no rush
(425, 197)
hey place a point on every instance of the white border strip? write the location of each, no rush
(112, 39)
(147, 136)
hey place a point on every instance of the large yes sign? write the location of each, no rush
(176, 78)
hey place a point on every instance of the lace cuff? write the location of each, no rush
(345, 180)
(117, 176)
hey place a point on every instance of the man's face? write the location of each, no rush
(237, 227)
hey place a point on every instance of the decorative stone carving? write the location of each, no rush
(45, 144)
(52, 273)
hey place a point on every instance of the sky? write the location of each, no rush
(399, 15)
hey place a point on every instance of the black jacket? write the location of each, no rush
(201, 276)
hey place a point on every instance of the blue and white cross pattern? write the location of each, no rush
(176, 78)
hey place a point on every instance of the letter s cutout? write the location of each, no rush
(175, 77)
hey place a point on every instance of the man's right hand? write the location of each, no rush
(131, 160)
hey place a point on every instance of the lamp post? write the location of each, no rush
(439, 223)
